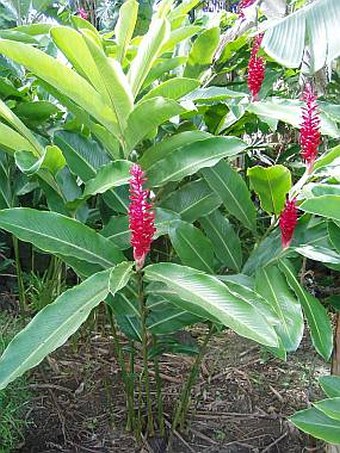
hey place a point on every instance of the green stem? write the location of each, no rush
(143, 315)
(184, 400)
(159, 396)
(21, 286)
(122, 365)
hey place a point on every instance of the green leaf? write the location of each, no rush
(173, 89)
(327, 158)
(334, 235)
(330, 407)
(146, 117)
(213, 94)
(272, 285)
(330, 385)
(230, 186)
(113, 174)
(161, 67)
(271, 185)
(226, 244)
(190, 158)
(52, 159)
(148, 51)
(125, 26)
(214, 297)
(57, 234)
(320, 254)
(317, 317)
(11, 141)
(55, 323)
(289, 111)
(164, 147)
(316, 423)
(192, 246)
(202, 52)
(62, 78)
(36, 112)
(114, 83)
(178, 35)
(316, 23)
(193, 200)
(84, 156)
(325, 206)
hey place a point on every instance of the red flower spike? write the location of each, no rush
(244, 4)
(288, 221)
(141, 217)
(83, 13)
(310, 136)
(256, 69)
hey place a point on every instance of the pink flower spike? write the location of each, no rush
(141, 217)
(244, 4)
(256, 69)
(288, 221)
(83, 13)
(310, 136)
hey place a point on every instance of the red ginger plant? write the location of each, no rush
(141, 217)
(310, 136)
(288, 221)
(256, 68)
(244, 4)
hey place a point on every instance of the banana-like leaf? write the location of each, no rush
(125, 26)
(326, 206)
(214, 297)
(63, 79)
(225, 242)
(192, 246)
(146, 117)
(289, 111)
(330, 385)
(316, 25)
(148, 52)
(188, 159)
(229, 185)
(272, 285)
(5, 183)
(173, 89)
(12, 141)
(193, 200)
(178, 35)
(317, 316)
(52, 159)
(55, 323)
(58, 234)
(319, 425)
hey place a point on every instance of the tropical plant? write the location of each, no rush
(149, 111)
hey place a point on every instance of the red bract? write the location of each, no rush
(83, 13)
(310, 136)
(256, 68)
(141, 217)
(244, 4)
(288, 221)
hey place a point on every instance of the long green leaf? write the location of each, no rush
(192, 246)
(173, 89)
(193, 200)
(62, 78)
(213, 296)
(318, 320)
(54, 324)
(58, 234)
(316, 423)
(229, 185)
(226, 244)
(146, 117)
(125, 26)
(272, 285)
(330, 385)
(192, 157)
(326, 206)
(148, 52)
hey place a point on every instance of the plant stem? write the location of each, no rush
(126, 380)
(21, 286)
(159, 396)
(143, 315)
(184, 400)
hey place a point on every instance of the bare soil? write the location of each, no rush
(240, 403)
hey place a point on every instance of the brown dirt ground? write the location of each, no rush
(239, 404)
